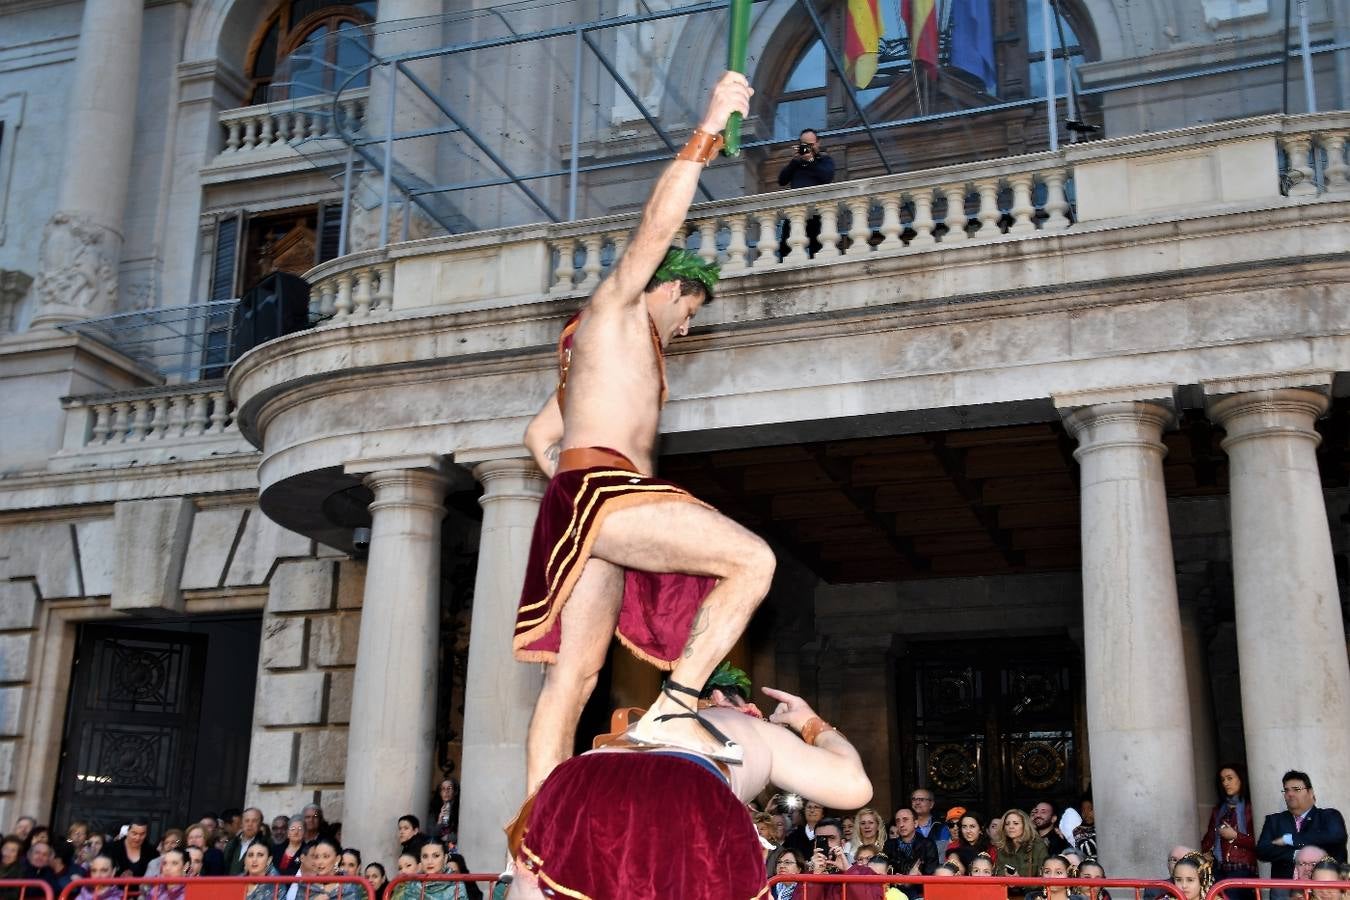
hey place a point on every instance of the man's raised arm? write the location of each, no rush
(668, 204)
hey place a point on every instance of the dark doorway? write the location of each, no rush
(158, 721)
(994, 725)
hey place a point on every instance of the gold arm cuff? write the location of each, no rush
(701, 147)
(814, 728)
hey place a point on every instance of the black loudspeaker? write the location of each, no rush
(277, 305)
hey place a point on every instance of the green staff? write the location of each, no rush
(737, 40)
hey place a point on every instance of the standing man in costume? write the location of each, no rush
(616, 549)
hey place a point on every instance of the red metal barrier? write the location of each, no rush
(1298, 888)
(972, 887)
(421, 893)
(26, 889)
(220, 887)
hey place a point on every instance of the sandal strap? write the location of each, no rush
(683, 689)
(709, 727)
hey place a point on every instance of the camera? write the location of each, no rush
(361, 541)
(803, 149)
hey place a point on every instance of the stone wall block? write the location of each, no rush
(292, 699)
(323, 757)
(11, 711)
(334, 803)
(151, 539)
(340, 696)
(283, 642)
(213, 534)
(7, 779)
(335, 639)
(14, 650)
(275, 802)
(302, 586)
(261, 545)
(351, 583)
(18, 605)
(271, 757)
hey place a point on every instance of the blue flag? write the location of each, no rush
(972, 40)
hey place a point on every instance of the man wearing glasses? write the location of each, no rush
(936, 831)
(1301, 825)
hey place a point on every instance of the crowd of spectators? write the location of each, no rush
(798, 835)
(236, 843)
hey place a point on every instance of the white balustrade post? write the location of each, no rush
(1298, 149)
(159, 426)
(1022, 209)
(707, 240)
(268, 131)
(1056, 205)
(859, 228)
(196, 425)
(361, 297)
(118, 435)
(890, 223)
(829, 230)
(102, 414)
(923, 219)
(562, 275)
(1337, 172)
(796, 235)
(327, 297)
(955, 219)
(766, 245)
(590, 267)
(989, 213)
(384, 296)
(234, 136)
(250, 132)
(342, 307)
(737, 248)
(178, 406)
(219, 412)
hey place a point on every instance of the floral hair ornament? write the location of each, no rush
(686, 265)
(728, 678)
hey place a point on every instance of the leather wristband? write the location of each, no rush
(701, 147)
(814, 728)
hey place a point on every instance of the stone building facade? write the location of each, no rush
(1052, 444)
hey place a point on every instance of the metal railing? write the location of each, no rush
(497, 885)
(25, 889)
(936, 887)
(221, 887)
(1298, 888)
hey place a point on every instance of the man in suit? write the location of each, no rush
(1302, 824)
(249, 833)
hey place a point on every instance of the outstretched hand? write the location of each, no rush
(730, 94)
(792, 711)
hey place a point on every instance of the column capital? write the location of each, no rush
(1262, 413)
(509, 479)
(408, 482)
(1106, 426)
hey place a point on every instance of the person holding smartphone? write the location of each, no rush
(828, 856)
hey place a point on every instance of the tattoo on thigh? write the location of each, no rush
(700, 625)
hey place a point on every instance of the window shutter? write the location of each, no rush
(216, 340)
(330, 231)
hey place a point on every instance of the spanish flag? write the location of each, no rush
(862, 35)
(921, 19)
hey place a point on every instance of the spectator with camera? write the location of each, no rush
(809, 166)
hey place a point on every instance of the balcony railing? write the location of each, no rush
(152, 424)
(269, 127)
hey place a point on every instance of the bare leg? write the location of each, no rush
(588, 622)
(684, 537)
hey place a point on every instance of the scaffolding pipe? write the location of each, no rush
(388, 155)
(1309, 85)
(346, 200)
(1051, 113)
(576, 128)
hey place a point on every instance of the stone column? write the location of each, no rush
(82, 243)
(1139, 721)
(390, 747)
(1291, 638)
(499, 693)
(1203, 728)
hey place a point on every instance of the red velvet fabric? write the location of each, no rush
(642, 826)
(658, 607)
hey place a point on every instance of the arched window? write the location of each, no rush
(813, 94)
(308, 47)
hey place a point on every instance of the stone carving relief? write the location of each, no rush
(77, 276)
(363, 227)
(13, 288)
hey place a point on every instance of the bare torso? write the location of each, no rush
(614, 385)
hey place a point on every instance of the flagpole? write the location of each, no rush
(1051, 114)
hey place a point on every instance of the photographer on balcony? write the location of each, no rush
(809, 166)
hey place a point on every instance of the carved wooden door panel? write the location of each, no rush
(988, 726)
(131, 728)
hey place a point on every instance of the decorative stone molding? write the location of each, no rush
(77, 275)
(13, 288)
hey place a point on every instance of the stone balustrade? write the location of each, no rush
(861, 219)
(1315, 162)
(357, 286)
(274, 125)
(149, 415)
